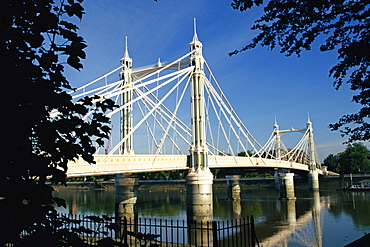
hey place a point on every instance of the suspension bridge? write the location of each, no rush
(175, 116)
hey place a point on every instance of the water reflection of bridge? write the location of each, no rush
(297, 227)
(298, 220)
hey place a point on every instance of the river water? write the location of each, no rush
(326, 218)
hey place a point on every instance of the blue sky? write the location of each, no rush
(260, 84)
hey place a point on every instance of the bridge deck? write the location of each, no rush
(117, 164)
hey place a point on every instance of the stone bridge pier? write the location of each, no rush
(199, 206)
(313, 180)
(233, 187)
(125, 197)
(287, 186)
(199, 195)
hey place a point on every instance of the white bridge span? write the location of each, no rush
(117, 164)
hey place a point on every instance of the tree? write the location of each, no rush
(294, 25)
(41, 128)
(245, 154)
(355, 159)
(332, 163)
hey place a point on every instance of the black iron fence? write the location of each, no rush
(109, 231)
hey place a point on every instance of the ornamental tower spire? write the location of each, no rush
(195, 37)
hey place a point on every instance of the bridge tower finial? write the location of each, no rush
(126, 50)
(308, 118)
(196, 46)
(275, 123)
(195, 37)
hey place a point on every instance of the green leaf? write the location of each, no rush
(74, 62)
(69, 25)
(74, 9)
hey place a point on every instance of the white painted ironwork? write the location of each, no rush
(158, 122)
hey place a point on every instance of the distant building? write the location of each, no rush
(365, 183)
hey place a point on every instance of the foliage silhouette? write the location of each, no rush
(41, 127)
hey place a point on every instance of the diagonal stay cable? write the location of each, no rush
(174, 112)
(142, 120)
(96, 80)
(146, 100)
(184, 71)
(231, 108)
(168, 113)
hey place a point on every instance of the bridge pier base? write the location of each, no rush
(313, 180)
(287, 186)
(199, 206)
(199, 198)
(234, 190)
(125, 197)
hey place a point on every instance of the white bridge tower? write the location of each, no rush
(126, 98)
(199, 180)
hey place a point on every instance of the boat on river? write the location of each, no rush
(363, 185)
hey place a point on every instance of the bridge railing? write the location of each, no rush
(116, 164)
